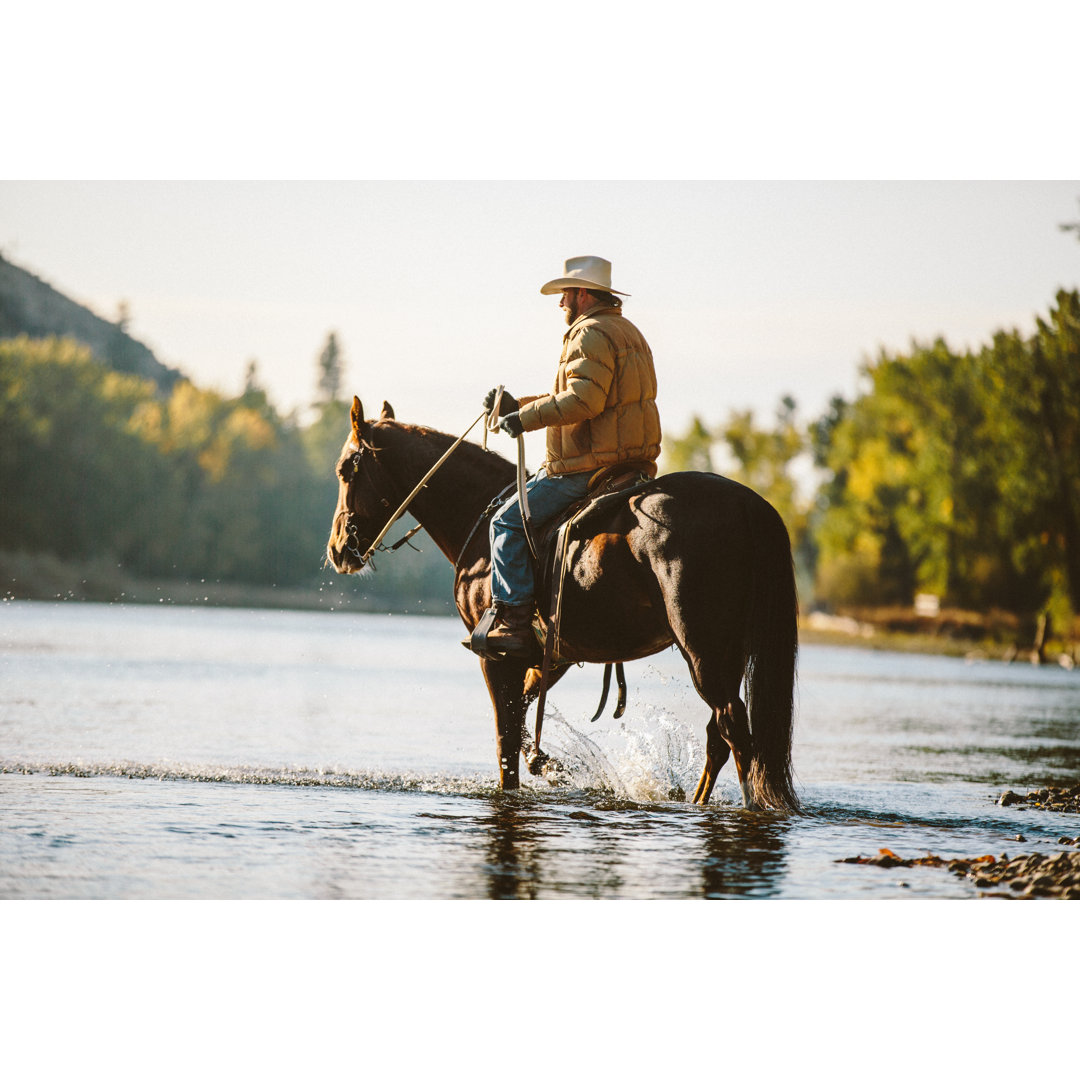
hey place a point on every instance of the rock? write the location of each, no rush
(1032, 876)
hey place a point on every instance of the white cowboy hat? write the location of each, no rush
(584, 272)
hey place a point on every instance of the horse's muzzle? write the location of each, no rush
(346, 549)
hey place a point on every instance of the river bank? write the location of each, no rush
(993, 636)
(45, 577)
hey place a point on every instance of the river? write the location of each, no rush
(165, 752)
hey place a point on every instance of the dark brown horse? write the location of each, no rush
(692, 559)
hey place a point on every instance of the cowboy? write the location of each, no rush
(600, 412)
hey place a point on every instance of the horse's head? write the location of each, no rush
(364, 495)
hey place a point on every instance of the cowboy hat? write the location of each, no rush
(584, 272)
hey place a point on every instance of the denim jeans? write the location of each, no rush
(511, 565)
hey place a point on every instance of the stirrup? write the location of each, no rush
(478, 642)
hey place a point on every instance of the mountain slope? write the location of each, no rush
(31, 306)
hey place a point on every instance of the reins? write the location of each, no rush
(523, 497)
(419, 487)
(492, 424)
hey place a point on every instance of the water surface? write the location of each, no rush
(188, 753)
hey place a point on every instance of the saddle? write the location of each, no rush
(549, 546)
(551, 541)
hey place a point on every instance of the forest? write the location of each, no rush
(953, 475)
(110, 482)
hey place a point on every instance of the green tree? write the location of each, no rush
(74, 475)
(692, 451)
(331, 365)
(957, 474)
(1033, 401)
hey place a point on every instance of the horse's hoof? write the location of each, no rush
(549, 768)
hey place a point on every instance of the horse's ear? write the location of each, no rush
(357, 415)
(387, 411)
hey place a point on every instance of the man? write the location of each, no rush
(601, 411)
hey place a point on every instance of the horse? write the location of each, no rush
(689, 559)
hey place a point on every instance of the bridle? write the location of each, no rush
(360, 457)
(361, 462)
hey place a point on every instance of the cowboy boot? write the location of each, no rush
(512, 633)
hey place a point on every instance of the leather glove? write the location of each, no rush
(508, 405)
(512, 425)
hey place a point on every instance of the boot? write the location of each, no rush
(512, 633)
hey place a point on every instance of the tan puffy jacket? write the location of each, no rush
(602, 409)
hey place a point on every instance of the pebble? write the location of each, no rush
(1027, 876)
(1059, 799)
(1030, 876)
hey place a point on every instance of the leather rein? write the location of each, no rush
(491, 419)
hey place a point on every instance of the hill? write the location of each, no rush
(32, 307)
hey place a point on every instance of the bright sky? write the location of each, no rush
(745, 290)
(524, 147)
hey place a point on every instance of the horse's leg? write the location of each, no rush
(706, 632)
(735, 731)
(716, 755)
(505, 682)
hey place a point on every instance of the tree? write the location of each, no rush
(1034, 400)
(251, 378)
(691, 452)
(121, 349)
(958, 474)
(331, 368)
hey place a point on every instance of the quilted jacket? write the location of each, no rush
(602, 409)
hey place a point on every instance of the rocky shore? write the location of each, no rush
(1059, 799)
(1018, 877)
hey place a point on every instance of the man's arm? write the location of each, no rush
(590, 370)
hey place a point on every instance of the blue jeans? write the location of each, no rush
(511, 565)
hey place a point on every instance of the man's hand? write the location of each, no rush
(512, 425)
(507, 404)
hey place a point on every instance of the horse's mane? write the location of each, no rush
(481, 467)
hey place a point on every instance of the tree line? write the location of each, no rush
(175, 483)
(950, 473)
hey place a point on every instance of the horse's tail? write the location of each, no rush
(772, 652)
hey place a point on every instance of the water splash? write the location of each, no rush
(651, 757)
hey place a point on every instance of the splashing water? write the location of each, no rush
(651, 757)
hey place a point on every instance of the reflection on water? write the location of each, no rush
(743, 854)
(514, 851)
(582, 848)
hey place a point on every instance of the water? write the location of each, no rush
(199, 753)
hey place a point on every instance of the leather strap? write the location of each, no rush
(478, 638)
(620, 678)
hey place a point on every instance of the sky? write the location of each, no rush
(783, 190)
(747, 290)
